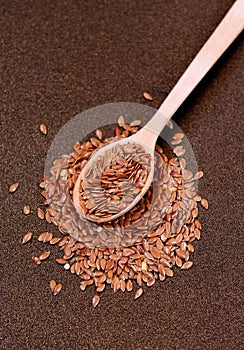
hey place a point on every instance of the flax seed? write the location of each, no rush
(204, 203)
(52, 284)
(55, 240)
(40, 213)
(138, 293)
(61, 261)
(95, 300)
(26, 209)
(167, 228)
(57, 289)
(36, 260)
(44, 255)
(27, 237)
(147, 96)
(43, 129)
(13, 187)
(186, 265)
(99, 134)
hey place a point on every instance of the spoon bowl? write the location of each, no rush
(142, 138)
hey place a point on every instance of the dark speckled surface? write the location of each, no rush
(61, 57)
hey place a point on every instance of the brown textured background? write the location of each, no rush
(61, 57)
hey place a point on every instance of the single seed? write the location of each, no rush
(63, 241)
(197, 198)
(41, 236)
(42, 184)
(198, 175)
(43, 129)
(61, 261)
(95, 300)
(36, 260)
(26, 209)
(168, 272)
(13, 187)
(40, 213)
(204, 203)
(27, 237)
(178, 261)
(138, 293)
(55, 240)
(129, 285)
(57, 289)
(47, 237)
(99, 134)
(52, 284)
(121, 121)
(197, 233)
(147, 96)
(44, 255)
(186, 265)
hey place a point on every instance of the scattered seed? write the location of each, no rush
(61, 261)
(43, 129)
(197, 233)
(44, 255)
(36, 260)
(55, 240)
(45, 237)
(27, 237)
(13, 187)
(40, 213)
(186, 265)
(99, 134)
(57, 289)
(147, 96)
(42, 184)
(198, 175)
(41, 237)
(48, 237)
(26, 209)
(138, 293)
(95, 300)
(197, 198)
(204, 203)
(52, 284)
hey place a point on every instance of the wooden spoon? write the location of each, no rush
(228, 29)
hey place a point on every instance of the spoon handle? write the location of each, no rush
(228, 29)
